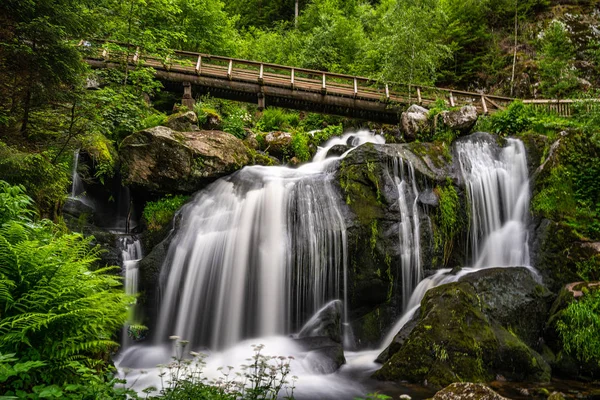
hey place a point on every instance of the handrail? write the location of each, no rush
(318, 72)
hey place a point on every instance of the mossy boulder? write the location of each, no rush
(160, 160)
(463, 334)
(183, 122)
(472, 391)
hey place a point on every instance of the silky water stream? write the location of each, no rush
(260, 251)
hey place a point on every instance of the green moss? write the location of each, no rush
(158, 214)
(447, 219)
(374, 234)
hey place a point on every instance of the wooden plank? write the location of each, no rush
(419, 95)
(229, 69)
(485, 109)
(199, 66)
(452, 100)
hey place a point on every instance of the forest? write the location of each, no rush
(100, 167)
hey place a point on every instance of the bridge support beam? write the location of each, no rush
(188, 101)
(261, 101)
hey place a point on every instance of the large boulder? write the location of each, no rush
(462, 120)
(183, 122)
(160, 160)
(415, 121)
(475, 330)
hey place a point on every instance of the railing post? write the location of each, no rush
(199, 65)
(229, 69)
(105, 54)
(387, 91)
(261, 74)
(451, 100)
(136, 56)
(292, 78)
(188, 101)
(166, 63)
(324, 87)
(355, 87)
(419, 95)
(484, 106)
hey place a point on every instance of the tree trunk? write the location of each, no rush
(512, 79)
(296, 12)
(26, 110)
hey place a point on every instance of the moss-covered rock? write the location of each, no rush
(160, 160)
(473, 391)
(183, 122)
(462, 333)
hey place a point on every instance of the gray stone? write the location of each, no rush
(429, 198)
(415, 121)
(323, 355)
(462, 120)
(183, 122)
(277, 143)
(160, 160)
(337, 150)
(327, 322)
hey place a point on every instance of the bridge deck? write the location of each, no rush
(297, 88)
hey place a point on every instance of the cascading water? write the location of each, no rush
(257, 254)
(131, 254)
(77, 186)
(409, 232)
(498, 188)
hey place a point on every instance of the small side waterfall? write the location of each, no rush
(77, 185)
(409, 232)
(498, 188)
(131, 254)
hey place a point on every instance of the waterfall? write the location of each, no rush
(497, 185)
(77, 186)
(258, 253)
(131, 254)
(409, 227)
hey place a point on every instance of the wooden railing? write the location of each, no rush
(307, 80)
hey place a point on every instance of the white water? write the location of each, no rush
(258, 253)
(77, 186)
(498, 188)
(131, 254)
(409, 232)
(262, 250)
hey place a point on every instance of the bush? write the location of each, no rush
(158, 214)
(276, 119)
(48, 183)
(578, 328)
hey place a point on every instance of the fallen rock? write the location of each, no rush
(183, 122)
(414, 122)
(462, 120)
(337, 150)
(160, 160)
(472, 391)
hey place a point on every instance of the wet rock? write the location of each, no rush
(327, 322)
(277, 143)
(79, 209)
(474, 391)
(415, 121)
(462, 333)
(429, 198)
(556, 396)
(462, 120)
(324, 356)
(183, 122)
(337, 150)
(160, 160)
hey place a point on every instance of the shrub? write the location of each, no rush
(274, 119)
(46, 182)
(578, 328)
(447, 218)
(158, 214)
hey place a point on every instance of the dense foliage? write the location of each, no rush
(58, 314)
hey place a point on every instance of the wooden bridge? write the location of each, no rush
(290, 87)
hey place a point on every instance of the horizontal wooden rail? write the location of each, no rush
(306, 80)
